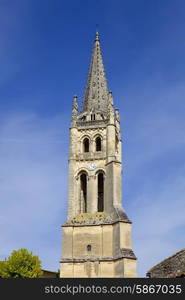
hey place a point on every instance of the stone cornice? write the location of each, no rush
(112, 222)
(124, 253)
(91, 124)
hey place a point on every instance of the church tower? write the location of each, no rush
(97, 234)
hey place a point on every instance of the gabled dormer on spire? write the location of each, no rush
(96, 91)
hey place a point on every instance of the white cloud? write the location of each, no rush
(33, 166)
(33, 184)
(154, 165)
(158, 220)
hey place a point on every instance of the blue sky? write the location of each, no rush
(45, 50)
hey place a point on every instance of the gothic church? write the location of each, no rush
(96, 238)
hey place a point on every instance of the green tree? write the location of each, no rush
(21, 264)
(2, 268)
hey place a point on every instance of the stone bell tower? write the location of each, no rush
(97, 234)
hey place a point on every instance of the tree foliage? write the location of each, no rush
(21, 264)
(2, 268)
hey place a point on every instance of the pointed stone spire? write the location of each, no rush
(96, 92)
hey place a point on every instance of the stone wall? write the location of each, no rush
(110, 252)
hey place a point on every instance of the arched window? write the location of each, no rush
(86, 145)
(83, 193)
(100, 192)
(98, 144)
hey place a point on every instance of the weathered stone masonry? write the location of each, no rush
(96, 238)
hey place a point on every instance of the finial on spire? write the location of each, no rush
(74, 111)
(75, 106)
(97, 36)
(117, 114)
(110, 103)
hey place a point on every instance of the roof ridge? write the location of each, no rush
(182, 250)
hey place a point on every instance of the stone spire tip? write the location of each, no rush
(97, 36)
(96, 92)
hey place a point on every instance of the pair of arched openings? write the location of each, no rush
(86, 144)
(100, 191)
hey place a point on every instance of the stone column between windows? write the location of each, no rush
(78, 200)
(92, 194)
